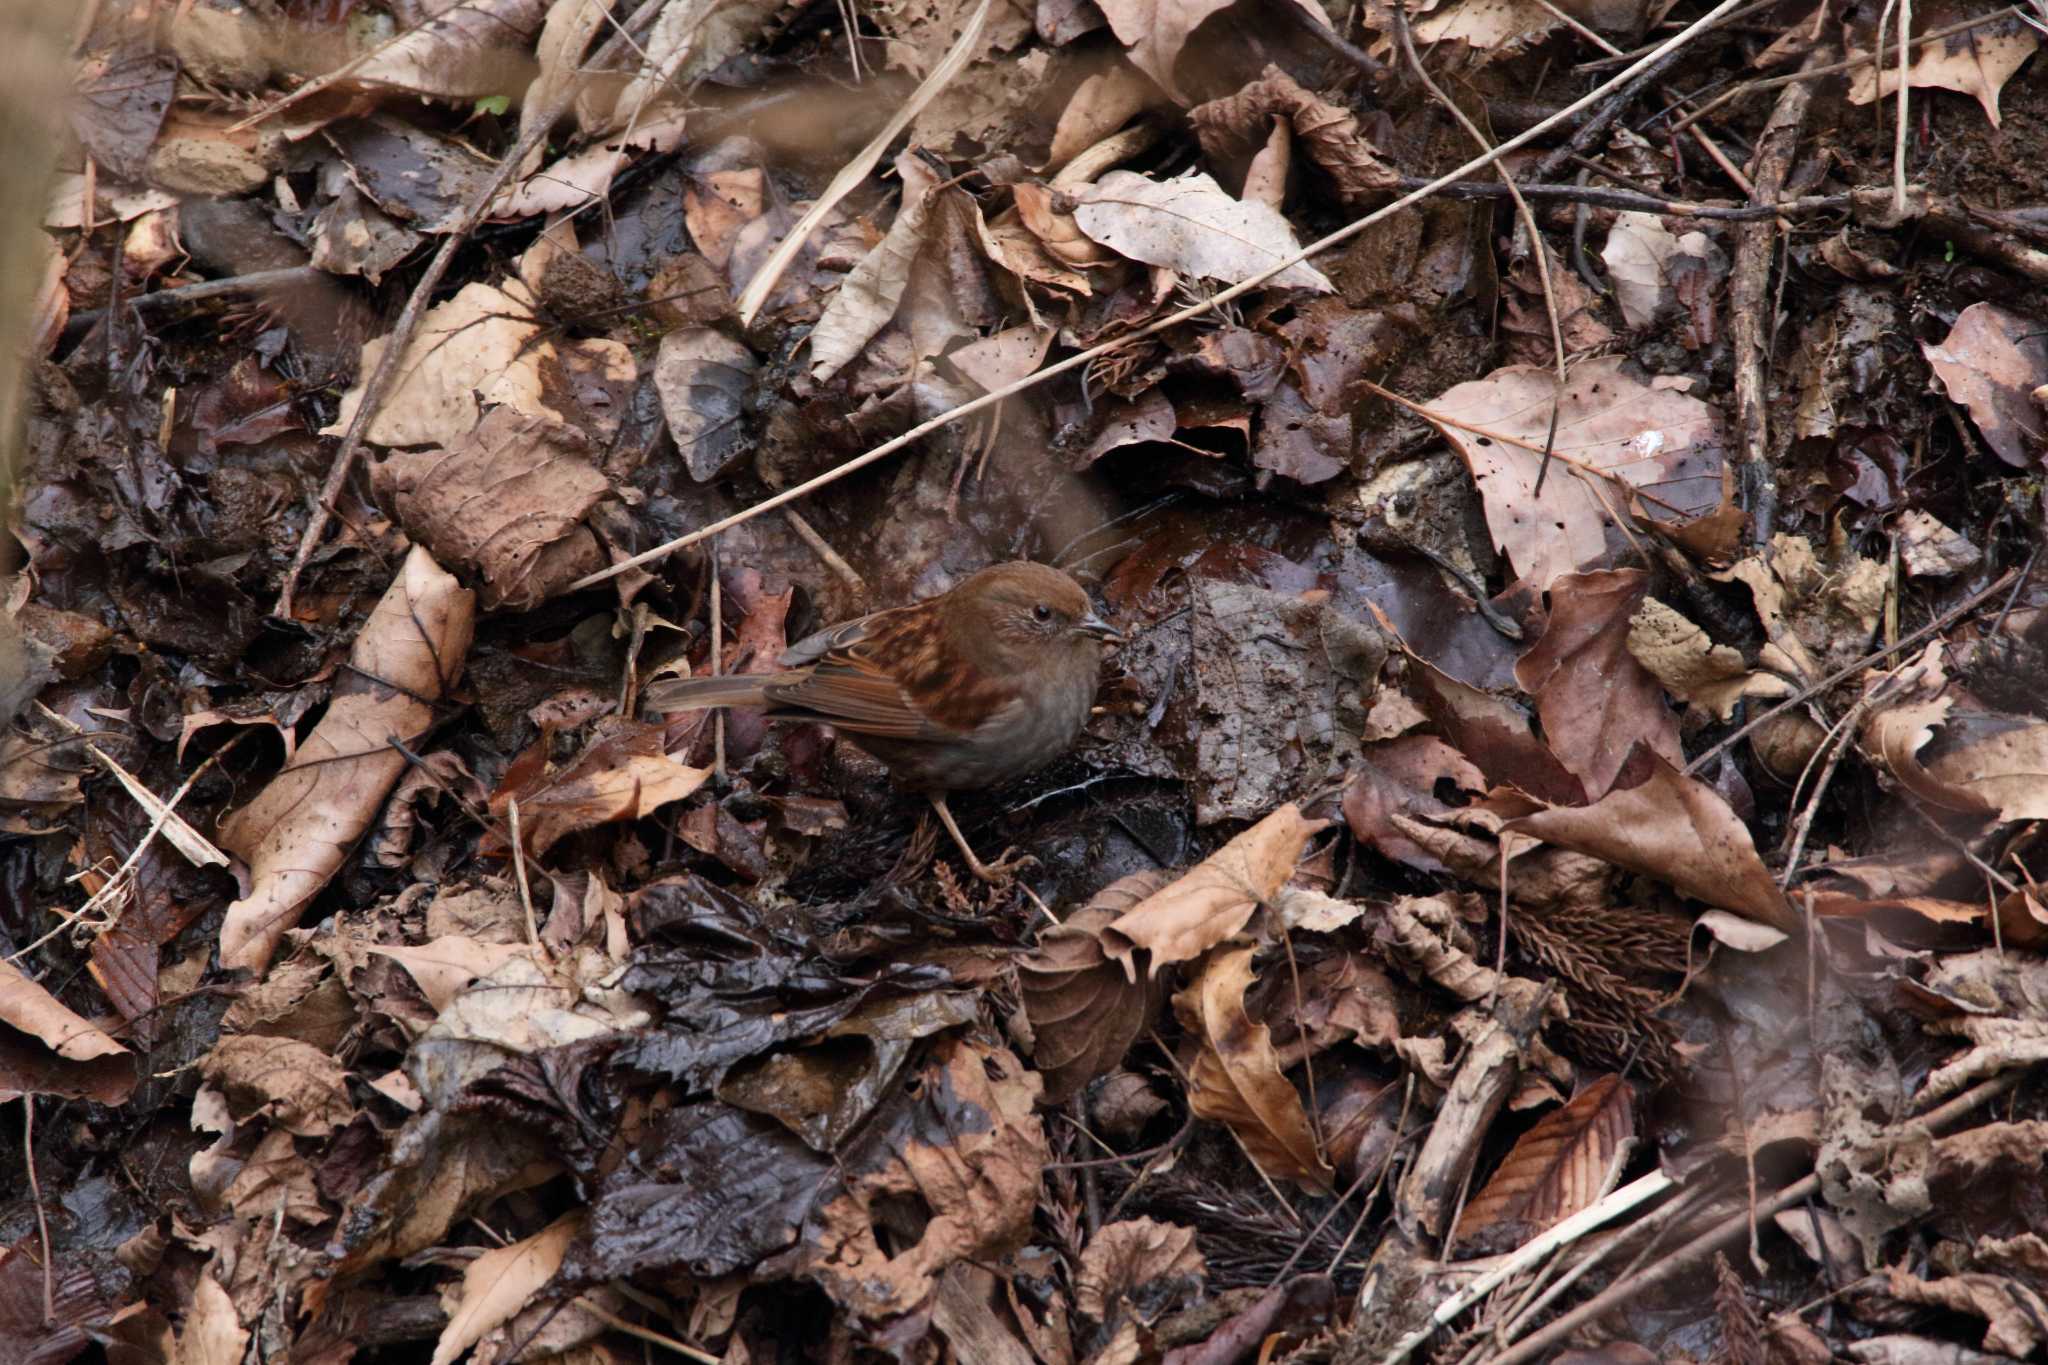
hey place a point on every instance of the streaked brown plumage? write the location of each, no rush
(967, 689)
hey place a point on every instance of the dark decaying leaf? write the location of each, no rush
(704, 378)
(423, 181)
(122, 96)
(1084, 1007)
(1555, 1169)
(821, 1091)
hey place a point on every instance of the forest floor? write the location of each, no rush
(1547, 869)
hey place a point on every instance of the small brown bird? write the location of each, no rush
(967, 689)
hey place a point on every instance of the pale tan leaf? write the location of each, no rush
(1555, 1169)
(1691, 666)
(300, 827)
(294, 1085)
(1215, 899)
(471, 49)
(444, 967)
(212, 1333)
(1615, 433)
(1191, 225)
(1155, 31)
(501, 1281)
(1644, 258)
(1099, 106)
(869, 295)
(1976, 62)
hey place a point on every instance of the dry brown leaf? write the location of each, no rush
(1976, 62)
(1400, 777)
(1555, 1169)
(1085, 1010)
(1998, 763)
(1190, 225)
(623, 774)
(443, 968)
(1991, 362)
(1155, 31)
(869, 295)
(502, 1281)
(469, 50)
(1140, 1261)
(212, 1332)
(508, 502)
(1018, 249)
(297, 831)
(1236, 1077)
(1817, 616)
(1596, 701)
(1676, 830)
(294, 1085)
(1328, 133)
(1099, 106)
(1214, 900)
(1615, 434)
(28, 1007)
(2015, 1316)
(481, 347)
(1056, 232)
(1691, 666)
(1652, 267)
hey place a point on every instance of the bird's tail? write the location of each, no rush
(698, 694)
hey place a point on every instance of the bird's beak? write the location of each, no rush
(1091, 624)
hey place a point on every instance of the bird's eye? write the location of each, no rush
(1042, 612)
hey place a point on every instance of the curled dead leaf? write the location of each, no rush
(1236, 1077)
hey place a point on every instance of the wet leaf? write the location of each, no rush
(123, 94)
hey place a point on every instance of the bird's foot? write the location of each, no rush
(1003, 871)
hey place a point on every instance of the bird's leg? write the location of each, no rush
(1000, 873)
